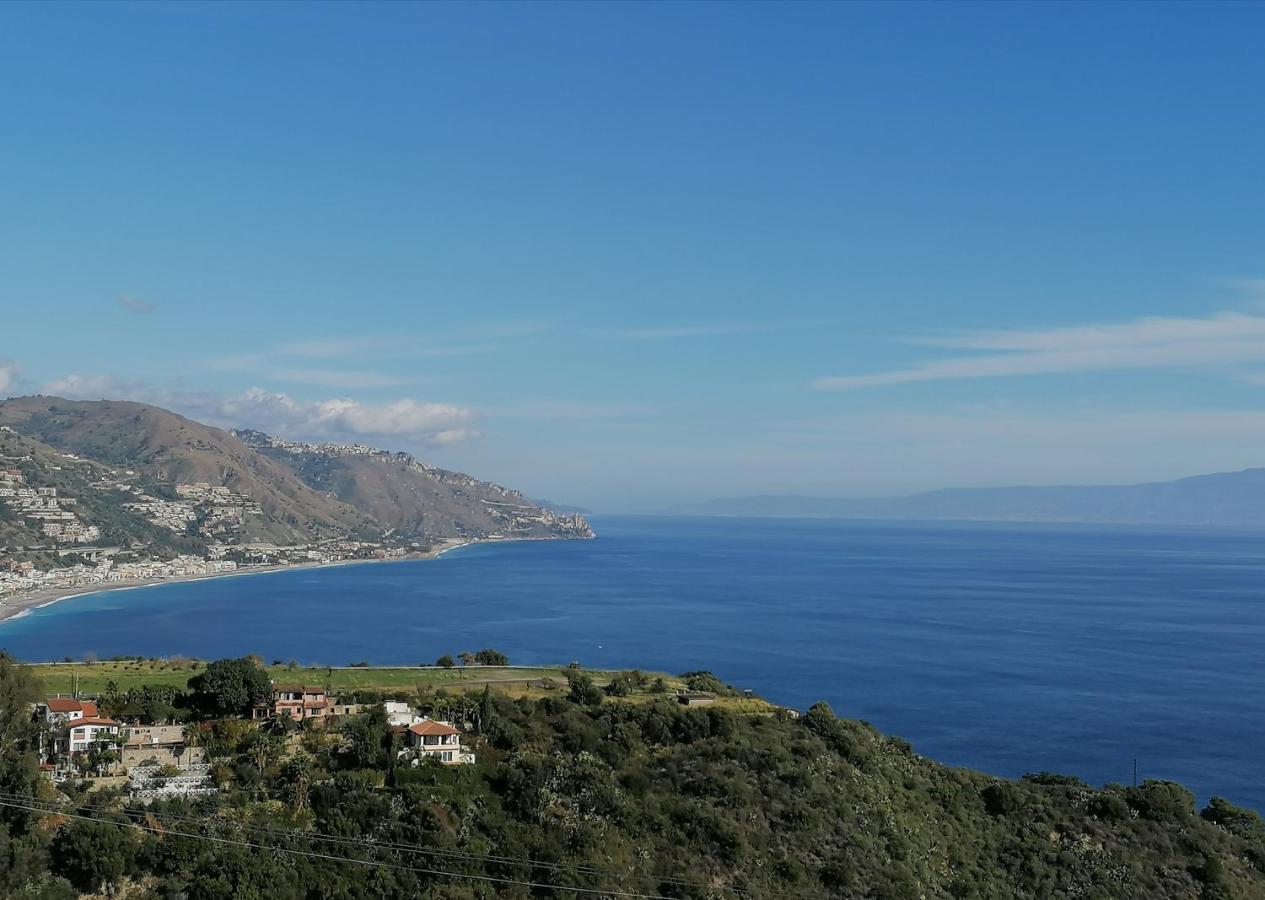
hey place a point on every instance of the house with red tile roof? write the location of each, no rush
(85, 731)
(60, 710)
(438, 740)
(296, 701)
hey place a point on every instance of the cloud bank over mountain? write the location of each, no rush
(278, 413)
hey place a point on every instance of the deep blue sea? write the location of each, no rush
(1007, 648)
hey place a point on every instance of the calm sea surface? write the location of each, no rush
(1001, 647)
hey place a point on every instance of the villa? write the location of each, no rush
(298, 702)
(438, 740)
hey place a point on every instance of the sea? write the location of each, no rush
(1086, 650)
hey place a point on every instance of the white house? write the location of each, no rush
(439, 740)
(83, 733)
(399, 715)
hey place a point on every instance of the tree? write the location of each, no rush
(583, 690)
(445, 661)
(94, 855)
(230, 687)
(19, 739)
(1161, 801)
(21, 855)
(367, 740)
(296, 777)
(1246, 823)
(264, 749)
(100, 756)
(490, 657)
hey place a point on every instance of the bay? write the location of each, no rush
(1006, 648)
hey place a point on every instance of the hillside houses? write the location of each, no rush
(43, 508)
(216, 510)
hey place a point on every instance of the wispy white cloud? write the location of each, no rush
(262, 365)
(394, 348)
(344, 379)
(9, 374)
(1253, 288)
(133, 305)
(676, 332)
(564, 411)
(278, 364)
(330, 348)
(461, 341)
(278, 413)
(1217, 341)
(439, 423)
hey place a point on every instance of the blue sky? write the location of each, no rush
(636, 255)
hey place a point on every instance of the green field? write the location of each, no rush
(91, 678)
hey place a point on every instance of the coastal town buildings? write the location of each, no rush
(20, 577)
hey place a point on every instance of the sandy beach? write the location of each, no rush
(19, 605)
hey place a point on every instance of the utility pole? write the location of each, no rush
(1135, 771)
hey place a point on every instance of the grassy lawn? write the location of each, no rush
(516, 680)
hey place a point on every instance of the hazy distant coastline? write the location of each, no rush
(1229, 499)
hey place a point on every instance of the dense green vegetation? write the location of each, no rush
(582, 789)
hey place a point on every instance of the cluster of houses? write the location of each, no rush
(162, 761)
(422, 737)
(42, 507)
(216, 509)
(262, 553)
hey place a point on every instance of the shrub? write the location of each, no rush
(1109, 807)
(1001, 799)
(1053, 779)
(1238, 821)
(583, 690)
(1161, 801)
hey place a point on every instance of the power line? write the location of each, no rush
(371, 843)
(633, 895)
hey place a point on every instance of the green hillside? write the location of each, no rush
(584, 793)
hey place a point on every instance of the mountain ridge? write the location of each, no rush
(1230, 499)
(163, 466)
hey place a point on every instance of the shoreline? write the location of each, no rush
(18, 607)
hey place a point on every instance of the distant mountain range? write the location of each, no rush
(1230, 499)
(144, 475)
